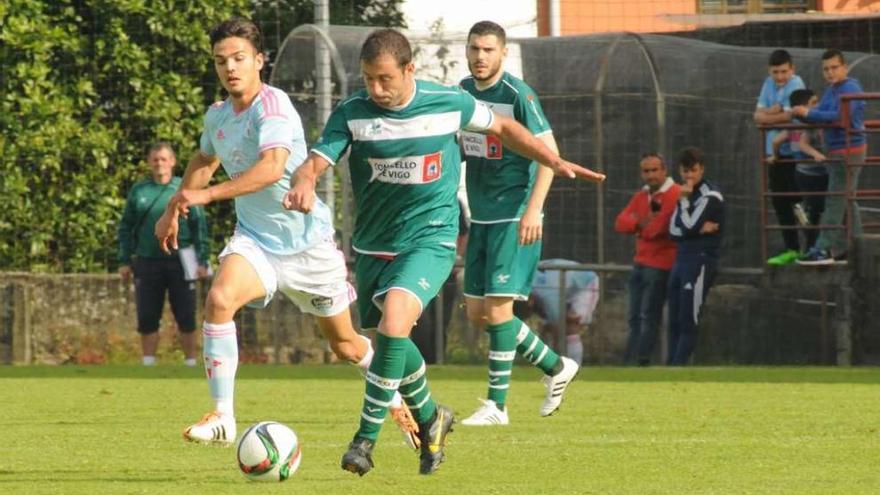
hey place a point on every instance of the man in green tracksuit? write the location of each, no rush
(154, 271)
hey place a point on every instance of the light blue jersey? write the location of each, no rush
(771, 94)
(238, 139)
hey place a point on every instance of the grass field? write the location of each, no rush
(109, 430)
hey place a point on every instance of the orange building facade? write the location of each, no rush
(660, 16)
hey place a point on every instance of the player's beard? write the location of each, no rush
(493, 71)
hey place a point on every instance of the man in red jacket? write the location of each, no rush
(647, 217)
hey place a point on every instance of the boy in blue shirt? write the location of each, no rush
(774, 108)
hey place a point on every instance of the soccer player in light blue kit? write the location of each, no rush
(405, 168)
(257, 136)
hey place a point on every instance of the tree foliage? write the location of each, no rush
(86, 86)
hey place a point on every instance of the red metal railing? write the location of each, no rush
(871, 126)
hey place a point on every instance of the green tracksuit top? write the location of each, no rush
(145, 204)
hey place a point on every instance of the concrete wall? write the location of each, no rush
(790, 316)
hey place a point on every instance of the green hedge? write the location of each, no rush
(85, 87)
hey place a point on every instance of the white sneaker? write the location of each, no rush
(487, 415)
(214, 427)
(556, 385)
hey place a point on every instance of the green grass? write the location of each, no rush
(116, 430)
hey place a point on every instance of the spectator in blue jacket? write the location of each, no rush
(696, 226)
(832, 244)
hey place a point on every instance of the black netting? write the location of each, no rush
(611, 98)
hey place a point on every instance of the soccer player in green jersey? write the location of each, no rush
(405, 167)
(506, 192)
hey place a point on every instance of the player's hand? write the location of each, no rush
(202, 272)
(166, 230)
(800, 111)
(125, 273)
(185, 198)
(531, 227)
(709, 227)
(571, 170)
(300, 197)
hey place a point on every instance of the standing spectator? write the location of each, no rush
(832, 244)
(155, 272)
(811, 172)
(774, 108)
(647, 217)
(696, 225)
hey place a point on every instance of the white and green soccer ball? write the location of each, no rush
(268, 451)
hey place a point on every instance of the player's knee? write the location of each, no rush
(346, 350)
(476, 315)
(219, 301)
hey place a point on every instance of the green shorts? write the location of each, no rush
(496, 264)
(421, 271)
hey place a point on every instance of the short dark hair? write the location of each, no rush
(690, 158)
(779, 57)
(387, 42)
(654, 154)
(486, 28)
(238, 27)
(800, 97)
(159, 146)
(834, 52)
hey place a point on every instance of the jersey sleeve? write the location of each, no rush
(529, 113)
(276, 123)
(476, 116)
(206, 147)
(335, 139)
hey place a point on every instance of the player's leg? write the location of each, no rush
(182, 296)
(401, 288)
(244, 276)
(149, 301)
(357, 349)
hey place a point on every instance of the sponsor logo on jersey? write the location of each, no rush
(220, 135)
(423, 283)
(481, 145)
(420, 169)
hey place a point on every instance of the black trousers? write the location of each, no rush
(782, 179)
(153, 278)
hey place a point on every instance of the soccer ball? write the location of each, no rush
(268, 451)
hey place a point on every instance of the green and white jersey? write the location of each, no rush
(499, 181)
(405, 164)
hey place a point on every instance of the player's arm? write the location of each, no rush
(301, 196)
(523, 142)
(530, 225)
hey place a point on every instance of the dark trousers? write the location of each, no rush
(647, 295)
(689, 283)
(782, 179)
(152, 279)
(814, 205)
